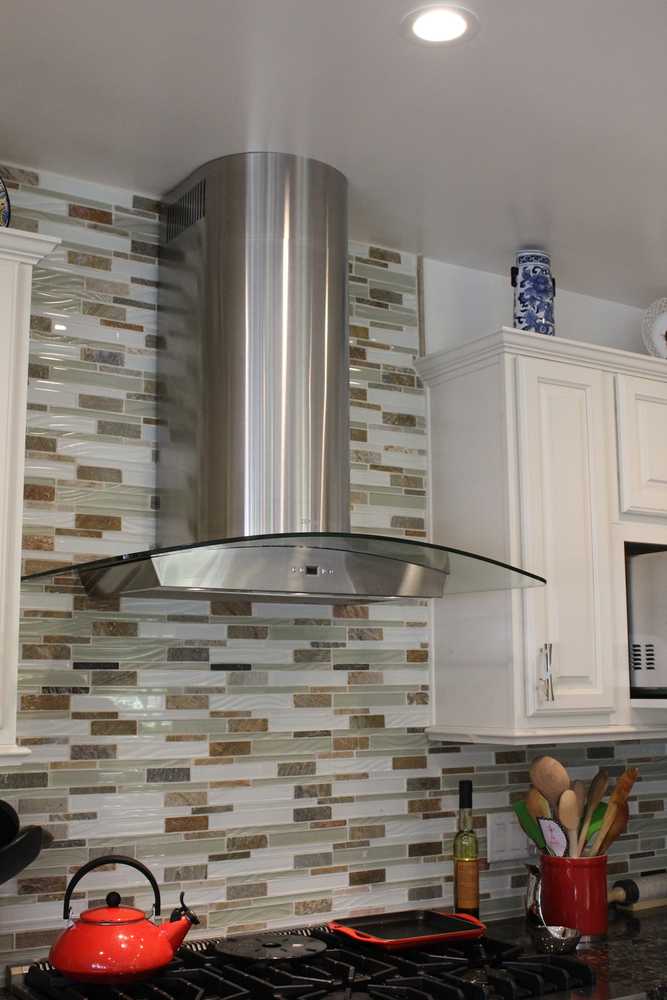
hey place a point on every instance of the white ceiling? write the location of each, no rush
(549, 127)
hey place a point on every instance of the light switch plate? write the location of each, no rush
(505, 840)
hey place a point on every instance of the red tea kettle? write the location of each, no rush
(113, 943)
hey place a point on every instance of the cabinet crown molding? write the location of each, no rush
(25, 248)
(437, 367)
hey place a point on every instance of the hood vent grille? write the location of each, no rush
(181, 214)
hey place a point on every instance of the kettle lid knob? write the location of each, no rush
(113, 899)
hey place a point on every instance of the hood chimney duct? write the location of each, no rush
(255, 376)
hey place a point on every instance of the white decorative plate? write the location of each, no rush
(654, 328)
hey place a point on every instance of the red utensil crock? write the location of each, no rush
(574, 893)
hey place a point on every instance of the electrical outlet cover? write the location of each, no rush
(505, 840)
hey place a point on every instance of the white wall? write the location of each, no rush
(462, 304)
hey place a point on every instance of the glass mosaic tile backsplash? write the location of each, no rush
(270, 760)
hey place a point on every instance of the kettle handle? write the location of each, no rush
(110, 859)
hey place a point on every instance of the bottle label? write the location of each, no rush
(466, 874)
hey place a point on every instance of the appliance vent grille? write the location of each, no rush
(642, 655)
(189, 208)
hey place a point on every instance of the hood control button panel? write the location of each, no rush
(312, 570)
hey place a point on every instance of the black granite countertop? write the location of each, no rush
(629, 962)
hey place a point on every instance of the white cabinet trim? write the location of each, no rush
(19, 251)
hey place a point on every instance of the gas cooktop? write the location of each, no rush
(314, 964)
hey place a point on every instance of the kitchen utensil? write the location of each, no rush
(640, 893)
(595, 793)
(555, 940)
(534, 895)
(537, 805)
(568, 814)
(114, 944)
(618, 826)
(410, 928)
(574, 893)
(617, 800)
(609, 816)
(21, 852)
(579, 789)
(624, 785)
(549, 777)
(9, 823)
(529, 823)
(548, 940)
(554, 837)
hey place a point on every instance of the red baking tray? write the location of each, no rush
(410, 928)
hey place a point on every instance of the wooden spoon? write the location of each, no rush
(579, 789)
(549, 777)
(595, 794)
(618, 826)
(568, 814)
(537, 805)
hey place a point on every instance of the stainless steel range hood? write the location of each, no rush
(254, 465)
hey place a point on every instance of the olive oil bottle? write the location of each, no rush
(466, 856)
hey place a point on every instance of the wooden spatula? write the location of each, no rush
(618, 826)
(568, 814)
(609, 818)
(618, 799)
(595, 794)
(624, 785)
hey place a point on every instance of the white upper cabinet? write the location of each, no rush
(524, 467)
(642, 445)
(19, 252)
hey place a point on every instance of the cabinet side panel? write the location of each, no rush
(472, 633)
(15, 282)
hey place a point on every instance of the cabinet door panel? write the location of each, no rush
(642, 445)
(563, 421)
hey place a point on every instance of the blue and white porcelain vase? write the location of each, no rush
(534, 291)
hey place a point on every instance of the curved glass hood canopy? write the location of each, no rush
(312, 568)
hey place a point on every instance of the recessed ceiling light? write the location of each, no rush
(440, 23)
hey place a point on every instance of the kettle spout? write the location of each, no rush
(179, 924)
(175, 931)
